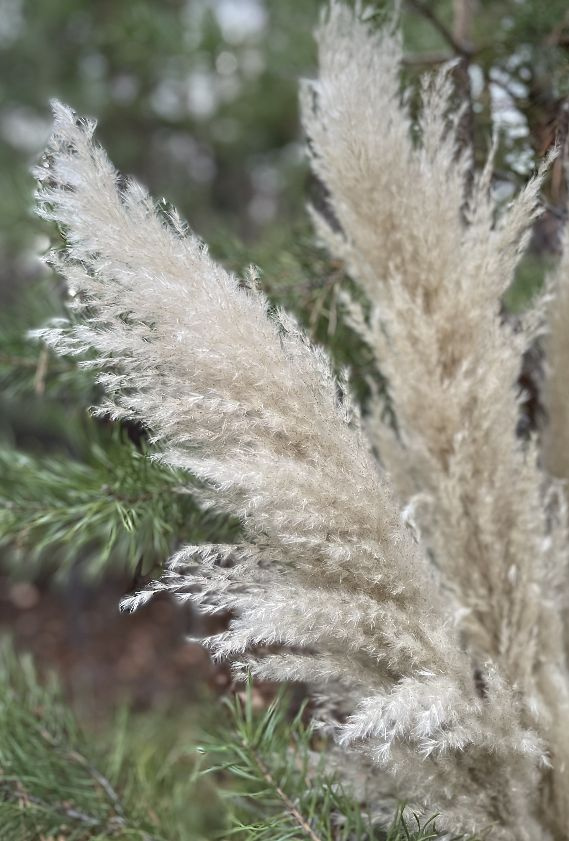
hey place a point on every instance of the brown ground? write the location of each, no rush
(103, 656)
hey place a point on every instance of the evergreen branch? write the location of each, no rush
(42, 790)
(74, 756)
(283, 781)
(14, 791)
(289, 805)
(55, 784)
(27, 369)
(115, 504)
(101, 780)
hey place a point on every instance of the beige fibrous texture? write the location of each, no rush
(432, 258)
(441, 648)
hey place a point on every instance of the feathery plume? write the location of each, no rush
(330, 584)
(426, 246)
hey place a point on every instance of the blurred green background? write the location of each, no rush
(198, 100)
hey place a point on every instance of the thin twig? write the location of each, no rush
(15, 790)
(17, 361)
(424, 9)
(102, 781)
(41, 372)
(515, 97)
(291, 808)
(23, 362)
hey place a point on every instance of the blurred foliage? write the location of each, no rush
(192, 96)
(141, 778)
(39, 391)
(116, 505)
(198, 99)
(85, 494)
(136, 780)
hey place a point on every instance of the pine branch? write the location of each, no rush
(47, 786)
(117, 505)
(55, 783)
(283, 789)
(31, 370)
(287, 802)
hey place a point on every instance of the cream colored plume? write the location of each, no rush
(329, 584)
(432, 254)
